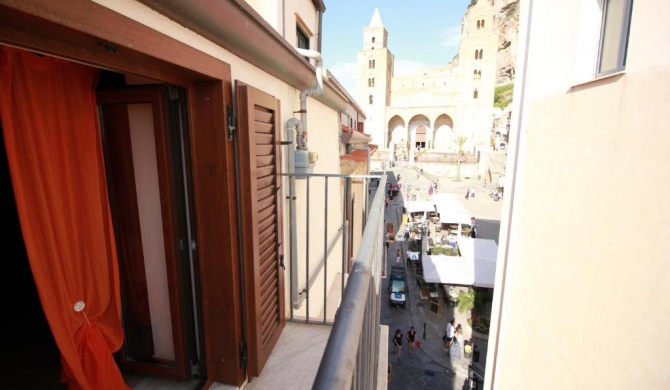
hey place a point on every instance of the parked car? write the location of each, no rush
(398, 286)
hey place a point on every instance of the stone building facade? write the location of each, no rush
(429, 110)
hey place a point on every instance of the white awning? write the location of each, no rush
(451, 210)
(419, 206)
(475, 267)
(447, 270)
(485, 253)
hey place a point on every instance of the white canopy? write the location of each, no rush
(419, 206)
(485, 253)
(451, 210)
(447, 269)
(475, 267)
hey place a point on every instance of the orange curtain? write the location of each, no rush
(54, 149)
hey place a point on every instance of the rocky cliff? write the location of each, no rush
(506, 22)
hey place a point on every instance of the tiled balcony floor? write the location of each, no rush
(294, 361)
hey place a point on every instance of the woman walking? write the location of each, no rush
(455, 350)
(397, 342)
(411, 336)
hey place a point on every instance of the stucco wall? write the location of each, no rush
(586, 255)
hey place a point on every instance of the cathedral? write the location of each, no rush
(435, 110)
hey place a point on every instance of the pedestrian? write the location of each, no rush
(467, 194)
(411, 336)
(472, 193)
(398, 259)
(409, 259)
(449, 334)
(473, 228)
(397, 343)
(455, 349)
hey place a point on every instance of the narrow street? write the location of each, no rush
(430, 366)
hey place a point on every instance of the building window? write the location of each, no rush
(482, 23)
(371, 64)
(302, 38)
(614, 36)
(478, 24)
(475, 94)
(370, 100)
(371, 82)
(374, 39)
(479, 54)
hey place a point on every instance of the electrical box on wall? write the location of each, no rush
(304, 161)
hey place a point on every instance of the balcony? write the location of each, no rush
(340, 346)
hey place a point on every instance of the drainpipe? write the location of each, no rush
(317, 90)
(292, 125)
(297, 133)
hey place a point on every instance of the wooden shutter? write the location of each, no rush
(260, 179)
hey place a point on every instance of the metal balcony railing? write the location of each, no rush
(351, 358)
(346, 296)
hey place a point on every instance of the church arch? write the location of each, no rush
(444, 135)
(396, 132)
(419, 131)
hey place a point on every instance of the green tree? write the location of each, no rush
(460, 141)
(466, 301)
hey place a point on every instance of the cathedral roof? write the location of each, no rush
(376, 20)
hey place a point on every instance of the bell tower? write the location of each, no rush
(375, 70)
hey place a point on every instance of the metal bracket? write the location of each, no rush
(232, 123)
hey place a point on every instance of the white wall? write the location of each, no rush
(586, 254)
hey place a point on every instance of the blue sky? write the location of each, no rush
(421, 34)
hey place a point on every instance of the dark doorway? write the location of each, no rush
(29, 356)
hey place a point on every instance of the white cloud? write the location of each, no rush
(346, 73)
(451, 36)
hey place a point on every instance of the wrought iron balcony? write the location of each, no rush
(332, 336)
